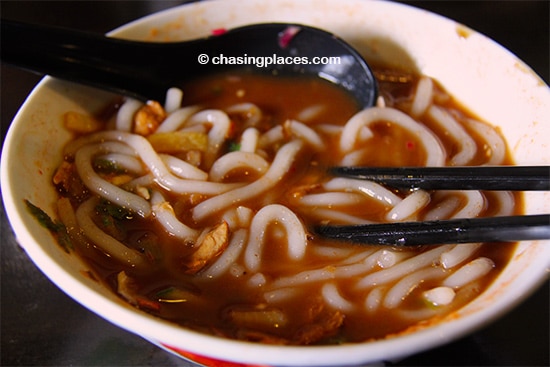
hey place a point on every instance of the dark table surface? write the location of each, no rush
(41, 326)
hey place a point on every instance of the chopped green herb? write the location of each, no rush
(173, 295)
(111, 217)
(429, 304)
(107, 166)
(165, 292)
(42, 217)
(337, 339)
(113, 210)
(217, 90)
(234, 146)
(57, 228)
(108, 221)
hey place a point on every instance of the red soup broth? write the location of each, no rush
(281, 302)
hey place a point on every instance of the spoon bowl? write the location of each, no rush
(145, 70)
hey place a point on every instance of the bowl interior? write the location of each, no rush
(494, 85)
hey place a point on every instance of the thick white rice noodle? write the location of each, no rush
(278, 169)
(362, 120)
(295, 232)
(105, 242)
(383, 277)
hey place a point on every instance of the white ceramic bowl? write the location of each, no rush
(479, 73)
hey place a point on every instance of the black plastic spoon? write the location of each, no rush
(145, 70)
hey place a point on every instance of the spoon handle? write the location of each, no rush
(124, 67)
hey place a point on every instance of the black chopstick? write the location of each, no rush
(490, 229)
(514, 178)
